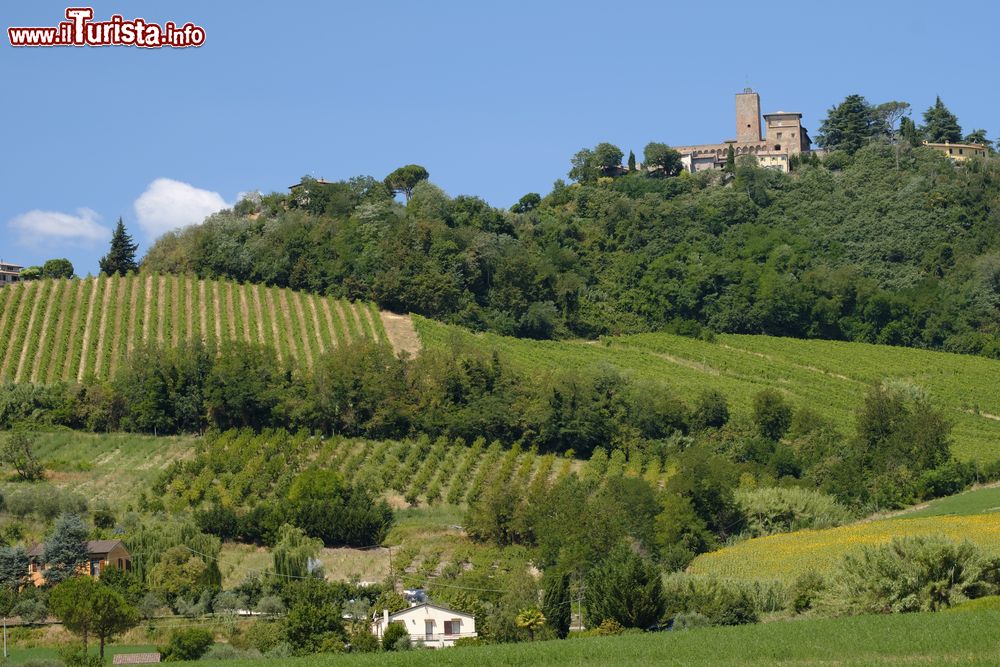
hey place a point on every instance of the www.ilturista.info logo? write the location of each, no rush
(81, 30)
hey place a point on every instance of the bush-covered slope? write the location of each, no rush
(52, 330)
(865, 248)
(829, 377)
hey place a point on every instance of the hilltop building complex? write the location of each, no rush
(783, 137)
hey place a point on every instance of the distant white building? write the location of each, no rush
(429, 624)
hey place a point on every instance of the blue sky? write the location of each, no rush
(493, 98)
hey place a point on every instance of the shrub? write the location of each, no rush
(711, 411)
(780, 510)
(187, 644)
(228, 652)
(44, 501)
(805, 591)
(912, 574)
(363, 641)
(771, 414)
(690, 620)
(394, 636)
(626, 588)
(722, 602)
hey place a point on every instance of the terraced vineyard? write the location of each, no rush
(52, 330)
(830, 377)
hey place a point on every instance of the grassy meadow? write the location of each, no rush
(975, 501)
(830, 377)
(928, 640)
(114, 467)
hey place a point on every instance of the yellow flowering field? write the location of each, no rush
(784, 557)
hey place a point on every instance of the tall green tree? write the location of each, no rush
(405, 179)
(908, 131)
(607, 158)
(295, 554)
(13, 567)
(940, 124)
(19, 453)
(626, 588)
(849, 126)
(85, 606)
(66, 548)
(631, 161)
(556, 603)
(57, 268)
(661, 157)
(121, 257)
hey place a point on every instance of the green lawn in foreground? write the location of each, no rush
(977, 501)
(911, 639)
(19, 656)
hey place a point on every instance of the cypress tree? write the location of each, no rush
(556, 605)
(941, 125)
(121, 257)
(730, 160)
(631, 161)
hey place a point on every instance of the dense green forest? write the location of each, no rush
(890, 244)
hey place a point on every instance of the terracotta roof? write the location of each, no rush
(135, 658)
(95, 547)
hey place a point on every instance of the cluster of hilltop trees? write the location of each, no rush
(881, 240)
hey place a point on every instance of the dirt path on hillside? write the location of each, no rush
(401, 333)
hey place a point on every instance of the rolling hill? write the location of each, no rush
(831, 377)
(53, 330)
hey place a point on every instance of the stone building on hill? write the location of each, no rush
(783, 137)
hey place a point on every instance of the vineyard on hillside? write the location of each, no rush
(238, 468)
(53, 330)
(829, 377)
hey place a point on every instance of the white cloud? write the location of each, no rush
(168, 204)
(37, 226)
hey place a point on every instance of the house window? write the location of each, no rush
(34, 566)
(951, 151)
(453, 627)
(121, 564)
(961, 151)
(779, 135)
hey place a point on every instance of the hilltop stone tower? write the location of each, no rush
(747, 117)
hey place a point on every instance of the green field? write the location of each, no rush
(928, 640)
(976, 501)
(113, 467)
(53, 330)
(828, 376)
